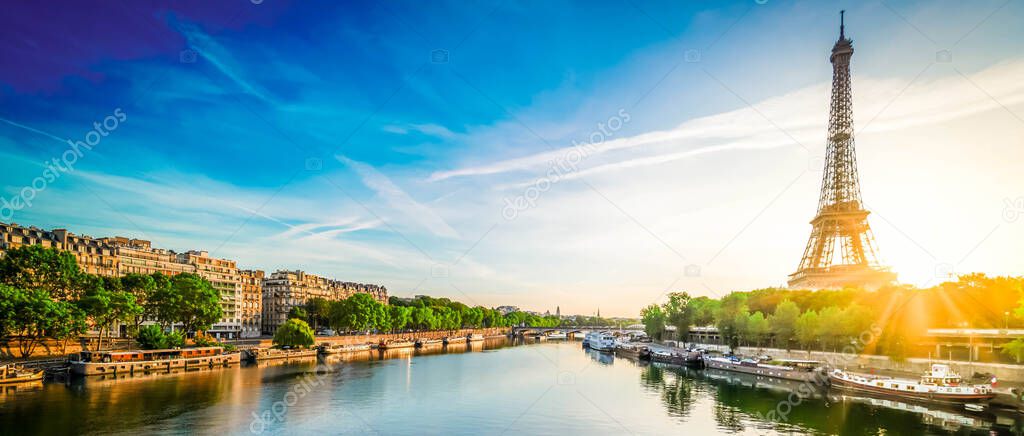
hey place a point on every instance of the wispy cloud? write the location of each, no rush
(213, 52)
(778, 121)
(397, 198)
(33, 130)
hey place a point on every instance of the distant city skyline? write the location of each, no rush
(564, 155)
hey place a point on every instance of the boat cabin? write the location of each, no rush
(148, 355)
(940, 375)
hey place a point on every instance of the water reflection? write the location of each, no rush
(474, 388)
(745, 400)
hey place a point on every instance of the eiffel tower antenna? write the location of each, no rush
(842, 24)
(841, 249)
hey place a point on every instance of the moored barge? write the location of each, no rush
(388, 345)
(129, 362)
(634, 351)
(263, 354)
(799, 370)
(328, 349)
(939, 384)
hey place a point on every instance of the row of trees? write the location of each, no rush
(886, 321)
(43, 294)
(361, 312)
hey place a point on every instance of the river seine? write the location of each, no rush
(491, 388)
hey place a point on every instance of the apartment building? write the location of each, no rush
(223, 275)
(252, 302)
(283, 290)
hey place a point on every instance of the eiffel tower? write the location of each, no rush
(841, 250)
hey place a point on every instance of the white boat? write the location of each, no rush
(601, 341)
(557, 335)
(938, 384)
(475, 337)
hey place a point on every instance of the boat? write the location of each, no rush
(129, 362)
(602, 341)
(475, 337)
(938, 384)
(800, 370)
(389, 345)
(557, 335)
(454, 341)
(635, 351)
(263, 354)
(11, 374)
(329, 349)
(424, 342)
(689, 358)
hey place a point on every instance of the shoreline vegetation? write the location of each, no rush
(46, 299)
(890, 321)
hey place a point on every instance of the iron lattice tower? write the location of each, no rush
(841, 250)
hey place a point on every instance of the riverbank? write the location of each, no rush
(264, 342)
(50, 350)
(539, 387)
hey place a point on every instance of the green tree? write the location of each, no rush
(757, 328)
(141, 286)
(298, 312)
(702, 311)
(731, 318)
(830, 326)
(423, 318)
(807, 329)
(106, 308)
(187, 299)
(36, 267)
(68, 322)
(473, 317)
(294, 333)
(783, 322)
(319, 311)
(400, 317)
(678, 313)
(31, 315)
(653, 318)
(151, 337)
(358, 312)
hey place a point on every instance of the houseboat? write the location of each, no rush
(264, 354)
(938, 384)
(689, 358)
(328, 349)
(129, 362)
(395, 344)
(12, 374)
(425, 342)
(557, 335)
(454, 341)
(475, 337)
(799, 370)
(634, 351)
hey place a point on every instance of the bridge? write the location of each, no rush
(572, 330)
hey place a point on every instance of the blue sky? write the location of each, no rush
(336, 138)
